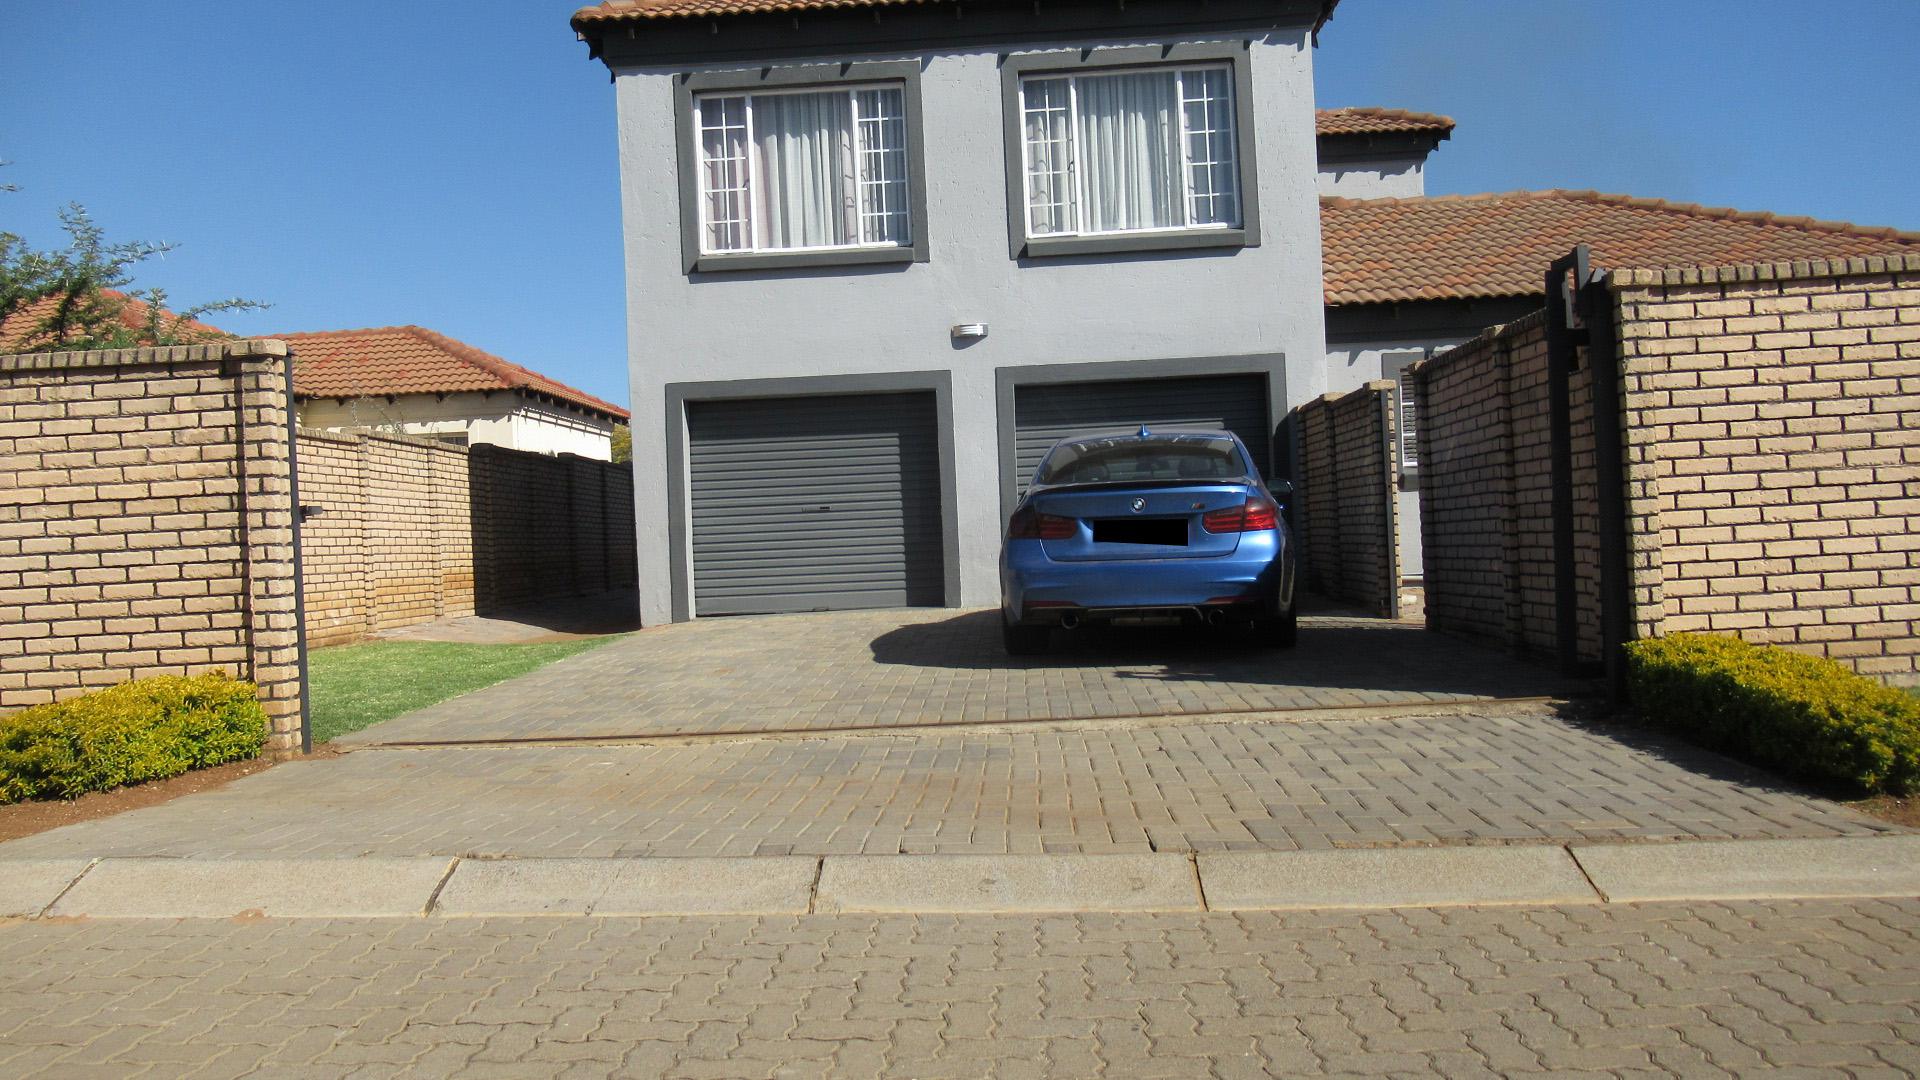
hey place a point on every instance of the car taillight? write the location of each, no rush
(1030, 525)
(1254, 515)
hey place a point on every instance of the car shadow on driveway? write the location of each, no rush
(1334, 653)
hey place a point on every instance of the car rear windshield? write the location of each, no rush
(1187, 457)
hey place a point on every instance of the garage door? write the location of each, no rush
(1043, 415)
(815, 503)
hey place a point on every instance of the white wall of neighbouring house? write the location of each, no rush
(860, 320)
(500, 418)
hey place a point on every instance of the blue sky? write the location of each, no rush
(452, 164)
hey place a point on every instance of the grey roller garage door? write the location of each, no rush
(815, 503)
(1045, 414)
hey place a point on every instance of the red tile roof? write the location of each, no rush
(616, 11)
(610, 11)
(19, 332)
(1483, 246)
(1371, 121)
(391, 360)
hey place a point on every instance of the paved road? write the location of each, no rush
(1519, 776)
(883, 669)
(1822, 988)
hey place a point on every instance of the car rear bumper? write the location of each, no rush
(1035, 590)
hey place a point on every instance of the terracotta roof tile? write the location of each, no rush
(1371, 121)
(413, 360)
(611, 11)
(17, 333)
(1483, 246)
(617, 11)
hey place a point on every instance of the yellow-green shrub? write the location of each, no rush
(1803, 715)
(142, 730)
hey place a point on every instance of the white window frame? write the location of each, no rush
(1077, 176)
(756, 190)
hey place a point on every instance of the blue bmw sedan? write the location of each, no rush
(1147, 526)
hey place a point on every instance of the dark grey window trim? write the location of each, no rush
(1234, 53)
(940, 383)
(1007, 380)
(689, 84)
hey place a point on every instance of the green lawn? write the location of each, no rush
(354, 686)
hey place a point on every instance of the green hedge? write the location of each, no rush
(148, 729)
(1802, 715)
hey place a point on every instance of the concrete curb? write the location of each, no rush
(1413, 877)
(755, 886)
(1754, 869)
(1374, 878)
(30, 886)
(373, 887)
(1002, 883)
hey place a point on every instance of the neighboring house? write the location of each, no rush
(1407, 277)
(412, 381)
(880, 254)
(23, 331)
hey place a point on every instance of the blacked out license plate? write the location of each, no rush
(1166, 532)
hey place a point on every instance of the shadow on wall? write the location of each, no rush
(1333, 653)
(546, 529)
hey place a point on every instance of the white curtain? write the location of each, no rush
(1129, 150)
(803, 142)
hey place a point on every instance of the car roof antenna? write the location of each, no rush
(1144, 432)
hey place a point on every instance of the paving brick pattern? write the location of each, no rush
(1823, 988)
(879, 669)
(1525, 776)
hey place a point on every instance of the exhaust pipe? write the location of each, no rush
(1069, 621)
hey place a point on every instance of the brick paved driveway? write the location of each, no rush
(1517, 776)
(884, 669)
(1824, 988)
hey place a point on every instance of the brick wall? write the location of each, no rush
(411, 529)
(146, 522)
(1773, 442)
(1771, 428)
(1348, 485)
(1486, 493)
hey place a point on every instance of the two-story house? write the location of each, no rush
(880, 254)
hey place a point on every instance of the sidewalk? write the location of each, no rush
(1825, 988)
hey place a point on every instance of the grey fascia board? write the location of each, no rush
(1008, 380)
(1236, 54)
(678, 395)
(689, 84)
(1361, 149)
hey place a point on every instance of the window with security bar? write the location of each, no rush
(1130, 151)
(803, 170)
(1394, 366)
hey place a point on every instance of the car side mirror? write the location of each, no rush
(1281, 488)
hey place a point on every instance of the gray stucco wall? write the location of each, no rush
(1388, 178)
(853, 320)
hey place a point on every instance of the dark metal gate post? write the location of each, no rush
(1610, 477)
(1562, 339)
